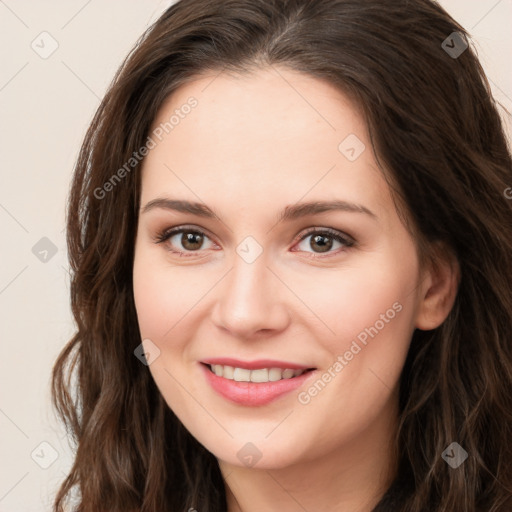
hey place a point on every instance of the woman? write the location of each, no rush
(291, 244)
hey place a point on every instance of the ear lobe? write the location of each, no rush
(440, 290)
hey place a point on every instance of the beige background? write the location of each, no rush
(45, 107)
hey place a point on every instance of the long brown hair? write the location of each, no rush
(434, 127)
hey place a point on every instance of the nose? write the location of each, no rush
(251, 301)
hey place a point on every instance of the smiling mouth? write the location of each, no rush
(258, 375)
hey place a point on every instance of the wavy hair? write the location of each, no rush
(438, 136)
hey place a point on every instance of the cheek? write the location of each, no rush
(372, 314)
(354, 299)
(164, 294)
(372, 318)
(163, 297)
(370, 301)
(151, 303)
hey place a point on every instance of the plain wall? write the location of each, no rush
(45, 107)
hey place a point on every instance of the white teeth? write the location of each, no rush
(228, 372)
(274, 374)
(259, 375)
(242, 375)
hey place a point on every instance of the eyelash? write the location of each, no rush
(346, 240)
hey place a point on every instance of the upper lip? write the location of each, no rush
(254, 365)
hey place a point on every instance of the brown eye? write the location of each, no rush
(191, 241)
(322, 241)
(183, 241)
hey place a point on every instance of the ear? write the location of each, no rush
(439, 288)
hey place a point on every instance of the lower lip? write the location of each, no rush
(253, 394)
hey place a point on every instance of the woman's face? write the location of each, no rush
(304, 265)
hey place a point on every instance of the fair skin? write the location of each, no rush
(253, 146)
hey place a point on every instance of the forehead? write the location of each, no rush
(269, 104)
(273, 134)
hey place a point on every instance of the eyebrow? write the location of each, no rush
(290, 212)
